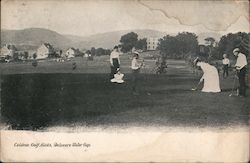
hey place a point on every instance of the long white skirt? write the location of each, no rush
(211, 80)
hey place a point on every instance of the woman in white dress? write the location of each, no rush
(210, 77)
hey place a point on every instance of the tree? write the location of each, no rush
(26, 55)
(100, 51)
(107, 52)
(34, 56)
(60, 53)
(141, 44)
(93, 51)
(211, 49)
(187, 43)
(178, 46)
(128, 41)
(230, 41)
(15, 56)
(168, 46)
(210, 41)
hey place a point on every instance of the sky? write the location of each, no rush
(86, 17)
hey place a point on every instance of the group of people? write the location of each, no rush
(116, 76)
(211, 77)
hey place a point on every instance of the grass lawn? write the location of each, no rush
(54, 94)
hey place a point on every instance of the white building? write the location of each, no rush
(8, 50)
(152, 43)
(71, 52)
(44, 51)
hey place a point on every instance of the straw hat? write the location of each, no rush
(236, 50)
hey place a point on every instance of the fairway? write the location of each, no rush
(38, 100)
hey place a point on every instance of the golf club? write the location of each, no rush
(195, 88)
(231, 94)
(143, 66)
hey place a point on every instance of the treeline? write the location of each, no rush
(127, 43)
(98, 51)
(186, 44)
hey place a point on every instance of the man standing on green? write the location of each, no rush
(241, 67)
(135, 66)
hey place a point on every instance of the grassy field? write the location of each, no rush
(52, 94)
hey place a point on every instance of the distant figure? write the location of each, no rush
(34, 63)
(241, 67)
(118, 77)
(114, 61)
(135, 66)
(210, 77)
(74, 66)
(226, 64)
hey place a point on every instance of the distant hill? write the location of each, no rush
(110, 39)
(34, 37)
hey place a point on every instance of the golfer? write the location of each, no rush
(226, 64)
(210, 77)
(135, 66)
(240, 66)
(114, 61)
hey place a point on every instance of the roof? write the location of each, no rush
(48, 45)
(72, 48)
(11, 47)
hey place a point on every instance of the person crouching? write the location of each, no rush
(118, 77)
(210, 77)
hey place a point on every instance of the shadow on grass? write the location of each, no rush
(34, 101)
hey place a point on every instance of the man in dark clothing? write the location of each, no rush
(240, 66)
(114, 61)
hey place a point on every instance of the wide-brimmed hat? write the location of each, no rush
(135, 52)
(236, 50)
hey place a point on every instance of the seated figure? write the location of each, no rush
(118, 77)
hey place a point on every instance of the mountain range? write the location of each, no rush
(33, 37)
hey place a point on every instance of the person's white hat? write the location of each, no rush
(135, 52)
(236, 50)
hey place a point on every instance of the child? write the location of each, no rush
(118, 77)
(226, 64)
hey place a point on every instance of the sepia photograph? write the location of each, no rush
(124, 81)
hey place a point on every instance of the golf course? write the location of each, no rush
(54, 94)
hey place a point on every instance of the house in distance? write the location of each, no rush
(8, 50)
(152, 43)
(44, 51)
(72, 52)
